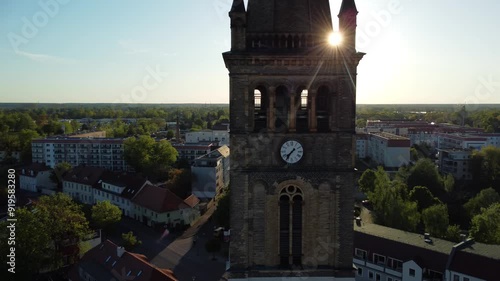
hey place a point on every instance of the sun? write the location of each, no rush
(335, 39)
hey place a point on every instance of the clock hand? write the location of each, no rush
(288, 155)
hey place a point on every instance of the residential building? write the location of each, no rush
(460, 141)
(210, 173)
(80, 183)
(386, 254)
(96, 152)
(35, 178)
(119, 188)
(455, 162)
(388, 150)
(219, 134)
(108, 261)
(192, 151)
(361, 145)
(156, 206)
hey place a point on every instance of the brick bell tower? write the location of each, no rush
(292, 111)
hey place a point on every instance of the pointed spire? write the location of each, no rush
(238, 6)
(348, 6)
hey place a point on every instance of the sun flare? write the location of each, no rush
(335, 39)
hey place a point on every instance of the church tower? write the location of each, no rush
(292, 112)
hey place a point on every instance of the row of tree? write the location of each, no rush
(484, 117)
(414, 200)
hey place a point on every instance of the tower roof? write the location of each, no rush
(238, 6)
(289, 16)
(348, 6)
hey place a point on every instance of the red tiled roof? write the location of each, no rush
(192, 200)
(159, 199)
(103, 259)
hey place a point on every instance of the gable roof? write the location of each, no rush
(103, 263)
(84, 175)
(132, 183)
(159, 200)
(33, 169)
(192, 200)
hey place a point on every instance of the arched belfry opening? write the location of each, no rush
(302, 107)
(260, 108)
(290, 226)
(281, 108)
(323, 108)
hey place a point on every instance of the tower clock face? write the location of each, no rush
(291, 151)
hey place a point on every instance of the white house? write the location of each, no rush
(35, 178)
(80, 183)
(157, 206)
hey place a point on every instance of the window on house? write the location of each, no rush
(412, 272)
(378, 259)
(360, 253)
(360, 271)
(370, 274)
(377, 277)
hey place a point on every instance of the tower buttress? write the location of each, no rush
(238, 25)
(347, 24)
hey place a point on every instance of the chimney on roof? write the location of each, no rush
(120, 251)
(32, 173)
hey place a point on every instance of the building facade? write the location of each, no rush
(210, 173)
(388, 150)
(35, 178)
(95, 152)
(292, 111)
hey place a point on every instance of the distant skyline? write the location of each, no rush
(153, 51)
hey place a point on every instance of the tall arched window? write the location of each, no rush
(302, 104)
(323, 108)
(282, 106)
(290, 225)
(260, 108)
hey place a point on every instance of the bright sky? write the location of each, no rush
(169, 51)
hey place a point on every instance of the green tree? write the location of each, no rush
(148, 156)
(213, 246)
(222, 213)
(449, 183)
(483, 199)
(425, 173)
(485, 227)
(391, 205)
(170, 134)
(41, 233)
(423, 197)
(105, 215)
(436, 220)
(486, 166)
(130, 241)
(367, 181)
(32, 244)
(453, 233)
(60, 170)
